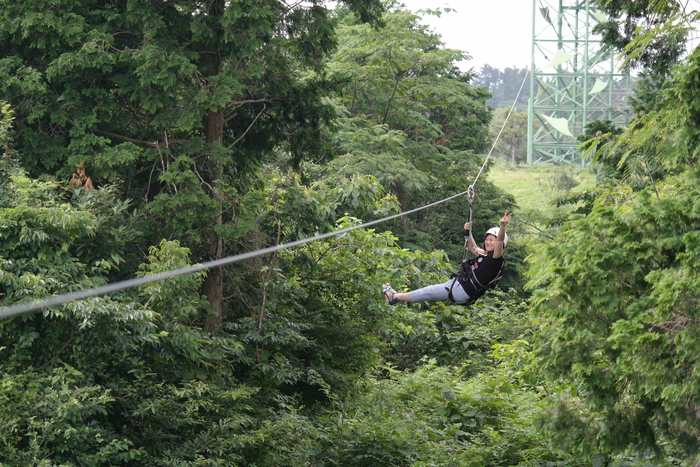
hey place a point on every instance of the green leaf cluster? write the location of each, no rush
(434, 416)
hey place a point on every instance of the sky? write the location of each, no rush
(494, 32)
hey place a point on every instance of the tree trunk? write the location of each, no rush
(213, 286)
(401, 197)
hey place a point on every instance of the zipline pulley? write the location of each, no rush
(470, 197)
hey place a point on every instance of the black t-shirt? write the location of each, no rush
(485, 269)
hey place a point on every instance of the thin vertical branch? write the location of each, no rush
(267, 279)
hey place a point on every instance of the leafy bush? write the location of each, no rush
(433, 416)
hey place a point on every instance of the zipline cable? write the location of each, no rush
(471, 194)
(29, 307)
(517, 96)
(23, 308)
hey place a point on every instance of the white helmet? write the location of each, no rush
(494, 231)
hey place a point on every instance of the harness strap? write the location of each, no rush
(449, 291)
(473, 279)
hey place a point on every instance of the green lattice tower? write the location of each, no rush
(574, 80)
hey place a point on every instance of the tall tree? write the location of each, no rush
(177, 100)
(412, 119)
(618, 294)
(511, 130)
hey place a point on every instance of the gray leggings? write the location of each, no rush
(438, 292)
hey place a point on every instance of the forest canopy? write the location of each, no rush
(142, 137)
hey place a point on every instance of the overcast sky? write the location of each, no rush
(494, 32)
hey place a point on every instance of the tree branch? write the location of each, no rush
(248, 101)
(148, 144)
(265, 284)
(249, 127)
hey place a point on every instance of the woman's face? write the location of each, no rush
(490, 242)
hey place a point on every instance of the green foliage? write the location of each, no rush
(199, 110)
(51, 416)
(6, 117)
(636, 155)
(615, 294)
(433, 416)
(105, 74)
(512, 135)
(47, 241)
(360, 197)
(454, 335)
(179, 103)
(321, 314)
(141, 385)
(503, 86)
(127, 380)
(595, 135)
(651, 33)
(649, 90)
(663, 141)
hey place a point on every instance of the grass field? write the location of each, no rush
(533, 187)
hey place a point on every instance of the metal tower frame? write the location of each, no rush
(574, 80)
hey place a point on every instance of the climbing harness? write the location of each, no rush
(470, 283)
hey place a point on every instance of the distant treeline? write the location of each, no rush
(503, 86)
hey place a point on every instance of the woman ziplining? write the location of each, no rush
(474, 277)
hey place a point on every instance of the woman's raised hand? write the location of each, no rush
(505, 218)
